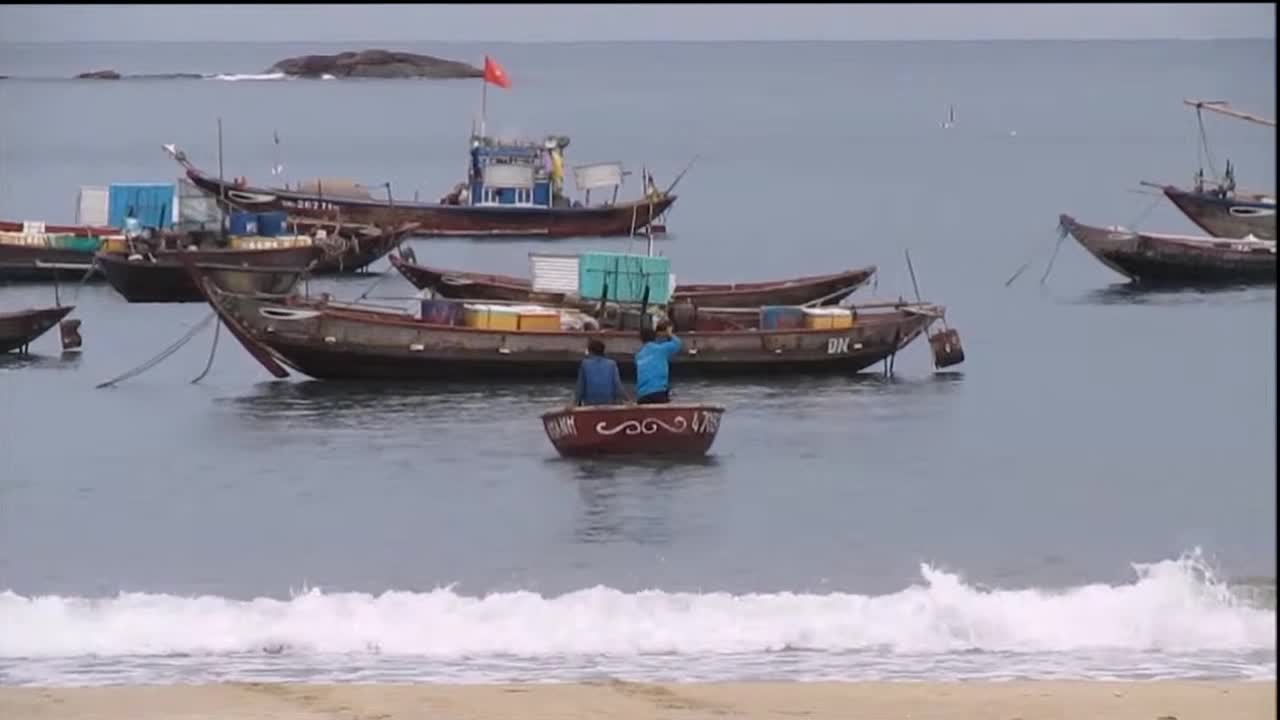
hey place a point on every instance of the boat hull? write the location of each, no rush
(1226, 217)
(31, 263)
(827, 289)
(1173, 261)
(645, 430)
(437, 220)
(20, 329)
(334, 342)
(350, 250)
(167, 280)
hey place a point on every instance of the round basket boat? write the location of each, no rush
(653, 430)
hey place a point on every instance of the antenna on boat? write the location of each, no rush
(278, 168)
(222, 187)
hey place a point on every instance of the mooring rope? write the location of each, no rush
(163, 354)
(217, 330)
(1062, 236)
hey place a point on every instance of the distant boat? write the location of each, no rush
(1152, 259)
(1219, 207)
(827, 289)
(512, 190)
(950, 122)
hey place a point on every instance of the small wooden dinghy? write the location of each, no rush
(655, 430)
(20, 329)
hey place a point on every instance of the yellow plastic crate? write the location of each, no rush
(827, 318)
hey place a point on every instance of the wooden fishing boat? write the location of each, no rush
(347, 247)
(329, 340)
(1177, 260)
(515, 200)
(650, 430)
(162, 276)
(36, 252)
(20, 329)
(1226, 213)
(350, 248)
(827, 289)
(1219, 207)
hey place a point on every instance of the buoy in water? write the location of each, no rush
(70, 330)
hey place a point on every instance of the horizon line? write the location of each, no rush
(163, 41)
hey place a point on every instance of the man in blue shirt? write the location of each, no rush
(652, 362)
(598, 380)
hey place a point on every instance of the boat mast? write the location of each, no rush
(1221, 106)
(222, 187)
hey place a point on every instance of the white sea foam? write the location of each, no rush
(250, 76)
(1173, 614)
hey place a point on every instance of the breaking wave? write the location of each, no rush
(1174, 619)
(250, 76)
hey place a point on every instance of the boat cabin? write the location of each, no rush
(530, 174)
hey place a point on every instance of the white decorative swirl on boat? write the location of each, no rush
(248, 197)
(1247, 211)
(647, 426)
(287, 314)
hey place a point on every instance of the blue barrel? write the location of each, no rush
(243, 223)
(781, 318)
(442, 312)
(271, 224)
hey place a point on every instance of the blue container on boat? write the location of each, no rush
(442, 312)
(243, 223)
(152, 203)
(781, 318)
(271, 224)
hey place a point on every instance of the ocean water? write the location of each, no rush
(1091, 495)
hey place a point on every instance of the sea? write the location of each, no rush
(1091, 494)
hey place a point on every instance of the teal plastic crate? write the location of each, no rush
(626, 276)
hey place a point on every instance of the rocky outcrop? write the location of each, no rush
(375, 64)
(99, 75)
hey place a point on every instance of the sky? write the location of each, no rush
(593, 23)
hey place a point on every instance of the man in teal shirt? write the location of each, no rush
(652, 362)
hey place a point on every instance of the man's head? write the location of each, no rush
(595, 346)
(664, 327)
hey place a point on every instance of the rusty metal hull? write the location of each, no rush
(19, 329)
(649, 430)
(1173, 260)
(330, 341)
(166, 280)
(830, 288)
(437, 220)
(1236, 216)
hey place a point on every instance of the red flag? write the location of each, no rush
(493, 73)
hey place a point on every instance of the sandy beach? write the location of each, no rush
(644, 701)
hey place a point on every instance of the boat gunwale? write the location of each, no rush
(404, 319)
(633, 407)
(513, 282)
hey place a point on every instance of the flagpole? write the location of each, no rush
(484, 102)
